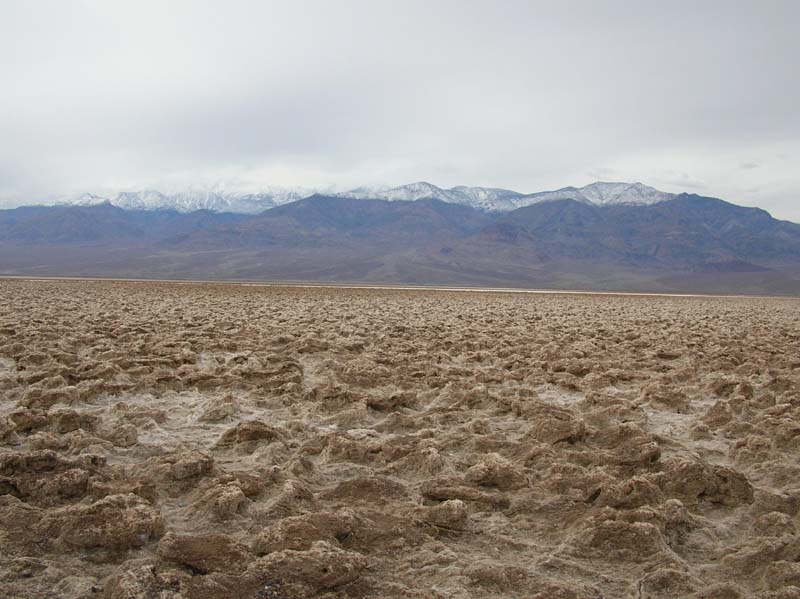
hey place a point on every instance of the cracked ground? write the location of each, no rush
(166, 440)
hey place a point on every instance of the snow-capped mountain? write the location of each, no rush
(483, 198)
(497, 199)
(489, 199)
(602, 194)
(81, 199)
(605, 194)
(195, 199)
(214, 200)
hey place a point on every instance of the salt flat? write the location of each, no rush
(197, 440)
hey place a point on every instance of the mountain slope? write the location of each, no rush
(482, 198)
(687, 233)
(74, 224)
(102, 224)
(601, 194)
(193, 199)
(326, 220)
(488, 199)
(687, 243)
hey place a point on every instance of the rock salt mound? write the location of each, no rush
(208, 441)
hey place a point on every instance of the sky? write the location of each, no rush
(104, 95)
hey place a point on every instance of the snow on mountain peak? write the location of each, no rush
(483, 198)
(602, 193)
(82, 199)
(216, 199)
(220, 199)
(606, 193)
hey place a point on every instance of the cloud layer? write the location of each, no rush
(683, 96)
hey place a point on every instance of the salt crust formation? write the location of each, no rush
(188, 441)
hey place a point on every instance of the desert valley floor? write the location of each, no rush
(166, 441)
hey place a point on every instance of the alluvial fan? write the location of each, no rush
(212, 441)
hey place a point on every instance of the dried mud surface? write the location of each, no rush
(174, 441)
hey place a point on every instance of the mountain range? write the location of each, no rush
(219, 199)
(606, 236)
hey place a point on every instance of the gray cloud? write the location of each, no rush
(528, 95)
(602, 173)
(681, 180)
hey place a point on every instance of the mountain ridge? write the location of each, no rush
(688, 243)
(488, 199)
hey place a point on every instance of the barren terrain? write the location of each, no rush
(167, 441)
(689, 244)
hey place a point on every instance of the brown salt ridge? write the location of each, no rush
(195, 440)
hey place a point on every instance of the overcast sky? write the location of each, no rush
(693, 96)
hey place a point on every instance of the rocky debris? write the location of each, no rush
(205, 553)
(624, 445)
(495, 471)
(371, 489)
(114, 522)
(667, 583)
(773, 524)
(447, 488)
(632, 493)
(666, 397)
(495, 576)
(618, 540)
(137, 579)
(451, 514)
(192, 464)
(322, 567)
(213, 441)
(246, 436)
(220, 410)
(45, 478)
(694, 482)
(557, 425)
(49, 392)
(720, 591)
(299, 533)
(18, 519)
(222, 502)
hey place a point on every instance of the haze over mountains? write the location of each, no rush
(219, 199)
(609, 236)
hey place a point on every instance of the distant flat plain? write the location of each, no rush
(312, 285)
